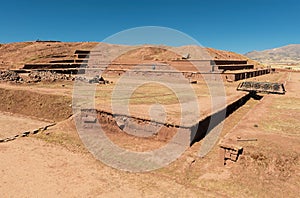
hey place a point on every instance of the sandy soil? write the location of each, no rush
(34, 168)
(12, 125)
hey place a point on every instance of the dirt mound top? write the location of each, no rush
(148, 53)
(226, 55)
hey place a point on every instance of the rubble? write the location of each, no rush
(81, 78)
(10, 76)
(98, 79)
(38, 76)
(230, 152)
(95, 80)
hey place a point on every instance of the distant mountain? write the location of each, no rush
(286, 56)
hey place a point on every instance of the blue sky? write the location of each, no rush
(235, 25)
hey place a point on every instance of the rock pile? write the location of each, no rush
(27, 133)
(81, 78)
(38, 76)
(95, 80)
(10, 76)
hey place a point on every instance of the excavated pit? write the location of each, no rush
(57, 108)
(111, 125)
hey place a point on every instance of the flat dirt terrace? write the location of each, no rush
(54, 163)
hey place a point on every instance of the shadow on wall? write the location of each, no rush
(204, 127)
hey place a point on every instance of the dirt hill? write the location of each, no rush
(15, 55)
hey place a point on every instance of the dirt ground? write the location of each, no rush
(12, 124)
(56, 164)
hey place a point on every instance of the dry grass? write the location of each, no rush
(64, 134)
(283, 117)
